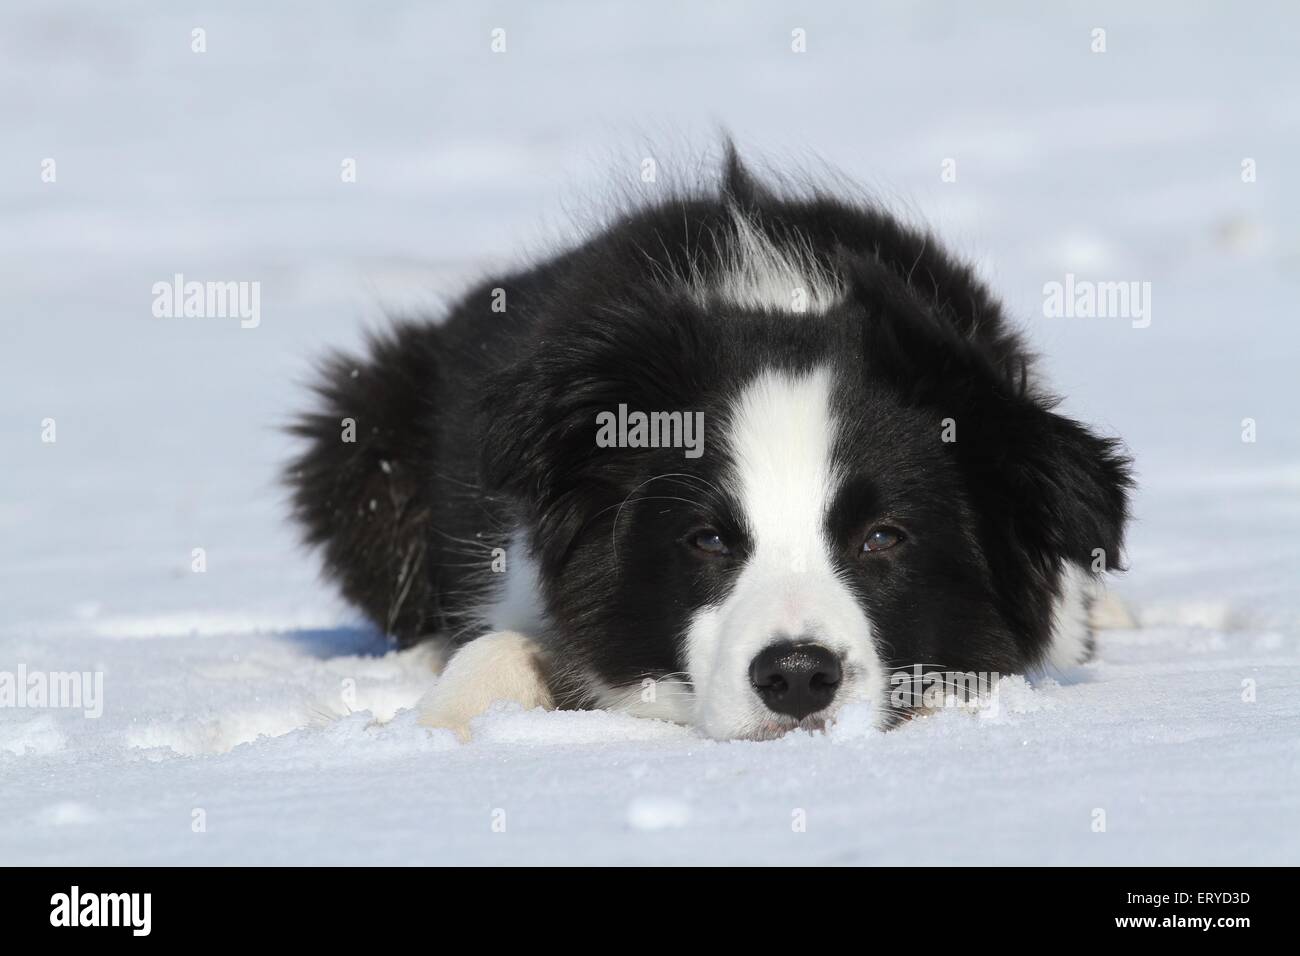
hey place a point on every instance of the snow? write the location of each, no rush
(248, 716)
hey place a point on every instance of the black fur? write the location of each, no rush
(483, 422)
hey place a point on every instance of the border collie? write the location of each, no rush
(738, 460)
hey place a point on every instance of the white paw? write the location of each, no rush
(503, 665)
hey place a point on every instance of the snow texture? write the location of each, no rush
(248, 717)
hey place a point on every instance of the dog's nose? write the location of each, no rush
(796, 679)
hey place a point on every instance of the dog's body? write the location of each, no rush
(880, 487)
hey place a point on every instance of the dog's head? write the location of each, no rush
(876, 490)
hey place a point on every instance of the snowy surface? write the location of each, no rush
(248, 699)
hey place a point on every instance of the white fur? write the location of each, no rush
(504, 665)
(1071, 627)
(1109, 613)
(669, 699)
(756, 273)
(518, 604)
(780, 434)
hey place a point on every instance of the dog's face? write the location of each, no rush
(833, 530)
(820, 541)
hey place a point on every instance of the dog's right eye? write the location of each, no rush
(881, 539)
(710, 543)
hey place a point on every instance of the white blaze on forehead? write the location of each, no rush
(779, 437)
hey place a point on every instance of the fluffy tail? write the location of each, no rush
(361, 488)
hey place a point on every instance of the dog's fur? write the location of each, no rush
(852, 377)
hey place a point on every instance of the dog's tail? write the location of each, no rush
(361, 488)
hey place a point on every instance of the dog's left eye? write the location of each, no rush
(881, 539)
(709, 542)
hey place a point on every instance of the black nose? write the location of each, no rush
(796, 679)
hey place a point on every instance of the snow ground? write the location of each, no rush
(250, 694)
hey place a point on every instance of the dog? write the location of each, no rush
(743, 457)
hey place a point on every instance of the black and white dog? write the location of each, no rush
(736, 461)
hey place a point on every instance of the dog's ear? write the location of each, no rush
(539, 415)
(1058, 489)
(1043, 483)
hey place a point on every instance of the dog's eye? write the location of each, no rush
(709, 542)
(881, 539)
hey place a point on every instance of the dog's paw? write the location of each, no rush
(438, 718)
(503, 665)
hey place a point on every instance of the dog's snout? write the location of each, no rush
(796, 679)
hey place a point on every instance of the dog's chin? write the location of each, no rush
(774, 726)
(772, 729)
